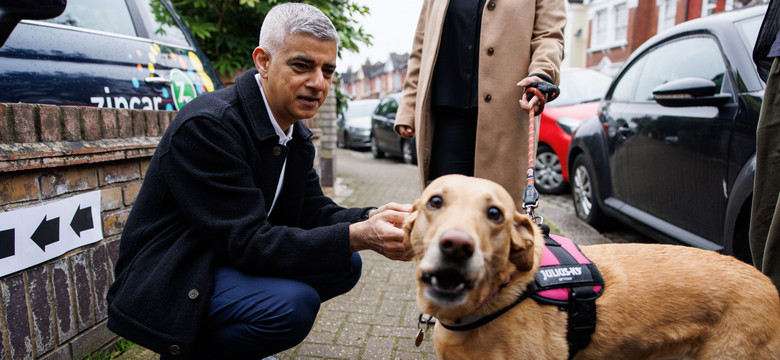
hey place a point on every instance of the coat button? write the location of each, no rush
(193, 294)
(174, 350)
(488, 98)
(277, 150)
(490, 51)
(491, 6)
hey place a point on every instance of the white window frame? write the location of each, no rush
(708, 8)
(667, 10)
(605, 36)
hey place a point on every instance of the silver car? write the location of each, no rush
(353, 130)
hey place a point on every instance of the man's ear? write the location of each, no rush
(262, 60)
(408, 227)
(523, 235)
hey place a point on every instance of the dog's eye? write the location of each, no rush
(435, 202)
(495, 215)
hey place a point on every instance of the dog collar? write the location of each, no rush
(472, 320)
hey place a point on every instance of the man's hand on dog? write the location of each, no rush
(382, 232)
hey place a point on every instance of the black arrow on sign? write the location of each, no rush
(48, 232)
(82, 220)
(7, 248)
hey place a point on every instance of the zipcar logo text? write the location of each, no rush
(120, 102)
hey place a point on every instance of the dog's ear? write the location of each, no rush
(408, 226)
(521, 251)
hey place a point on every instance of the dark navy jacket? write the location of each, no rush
(204, 202)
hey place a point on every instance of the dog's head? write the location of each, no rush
(467, 239)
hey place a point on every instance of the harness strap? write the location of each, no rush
(582, 318)
(581, 303)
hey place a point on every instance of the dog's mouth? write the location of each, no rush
(447, 285)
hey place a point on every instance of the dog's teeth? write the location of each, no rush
(460, 287)
(434, 281)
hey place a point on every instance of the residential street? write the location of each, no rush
(378, 318)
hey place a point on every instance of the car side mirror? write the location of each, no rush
(690, 91)
(13, 11)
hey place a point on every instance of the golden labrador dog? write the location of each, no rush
(475, 255)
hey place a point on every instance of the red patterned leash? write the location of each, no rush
(531, 195)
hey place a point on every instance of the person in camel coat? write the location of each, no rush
(468, 69)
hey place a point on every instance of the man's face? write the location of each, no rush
(297, 78)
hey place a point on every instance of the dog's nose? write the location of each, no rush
(456, 245)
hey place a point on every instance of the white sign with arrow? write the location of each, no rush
(30, 236)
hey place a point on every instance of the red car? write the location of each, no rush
(581, 91)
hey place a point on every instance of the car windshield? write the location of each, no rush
(361, 108)
(581, 86)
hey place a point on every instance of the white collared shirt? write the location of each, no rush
(283, 139)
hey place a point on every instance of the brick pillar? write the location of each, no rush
(327, 148)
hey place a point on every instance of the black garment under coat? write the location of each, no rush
(204, 202)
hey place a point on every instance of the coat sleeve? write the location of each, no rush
(547, 39)
(220, 195)
(406, 109)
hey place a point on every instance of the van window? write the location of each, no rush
(103, 15)
(160, 24)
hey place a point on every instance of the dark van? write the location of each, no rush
(135, 54)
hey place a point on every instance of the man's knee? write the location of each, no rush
(292, 316)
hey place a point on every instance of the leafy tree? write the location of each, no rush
(228, 30)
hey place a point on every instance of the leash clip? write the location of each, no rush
(428, 321)
(529, 210)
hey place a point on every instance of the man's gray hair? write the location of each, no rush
(291, 19)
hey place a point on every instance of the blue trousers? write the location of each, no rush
(251, 317)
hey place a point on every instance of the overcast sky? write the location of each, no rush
(392, 23)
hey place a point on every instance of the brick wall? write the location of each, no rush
(57, 310)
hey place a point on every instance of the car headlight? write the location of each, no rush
(568, 125)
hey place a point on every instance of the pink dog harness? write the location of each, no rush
(566, 279)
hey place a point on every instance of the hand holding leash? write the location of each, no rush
(538, 91)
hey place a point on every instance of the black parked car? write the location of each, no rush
(107, 53)
(384, 141)
(672, 150)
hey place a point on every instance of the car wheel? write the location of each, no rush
(549, 179)
(584, 193)
(341, 140)
(408, 151)
(348, 141)
(375, 150)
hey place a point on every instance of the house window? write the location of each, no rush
(609, 23)
(621, 23)
(708, 7)
(667, 13)
(601, 27)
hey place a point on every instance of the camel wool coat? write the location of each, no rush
(511, 46)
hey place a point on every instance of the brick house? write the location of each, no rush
(618, 27)
(375, 80)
